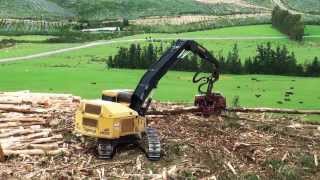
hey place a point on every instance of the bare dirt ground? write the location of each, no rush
(233, 146)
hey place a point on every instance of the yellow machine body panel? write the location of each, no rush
(108, 120)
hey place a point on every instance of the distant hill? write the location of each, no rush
(132, 9)
(34, 9)
(307, 6)
(109, 9)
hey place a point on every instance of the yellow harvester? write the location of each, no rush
(119, 116)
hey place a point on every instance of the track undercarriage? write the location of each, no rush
(149, 142)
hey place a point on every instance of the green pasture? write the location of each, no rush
(247, 38)
(34, 38)
(83, 72)
(78, 74)
(25, 49)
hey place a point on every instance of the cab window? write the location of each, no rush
(109, 98)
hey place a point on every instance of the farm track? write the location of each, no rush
(98, 43)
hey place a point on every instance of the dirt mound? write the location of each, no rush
(235, 145)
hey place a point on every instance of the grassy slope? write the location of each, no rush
(263, 3)
(307, 6)
(79, 73)
(32, 9)
(37, 38)
(24, 49)
(73, 72)
(304, 51)
(108, 9)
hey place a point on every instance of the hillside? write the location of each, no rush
(32, 9)
(133, 9)
(306, 6)
(108, 9)
(111, 9)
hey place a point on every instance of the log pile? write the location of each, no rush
(27, 119)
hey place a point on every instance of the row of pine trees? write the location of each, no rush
(268, 60)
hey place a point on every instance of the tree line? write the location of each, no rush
(287, 23)
(268, 60)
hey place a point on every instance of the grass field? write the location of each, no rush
(76, 72)
(107, 9)
(32, 9)
(24, 49)
(34, 38)
(307, 6)
(247, 38)
(70, 73)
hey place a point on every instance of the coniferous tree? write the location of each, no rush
(132, 57)
(248, 66)
(234, 65)
(313, 69)
(110, 63)
(137, 56)
(268, 60)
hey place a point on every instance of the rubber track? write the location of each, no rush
(154, 147)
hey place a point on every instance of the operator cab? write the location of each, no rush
(122, 96)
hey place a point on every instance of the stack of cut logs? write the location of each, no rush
(26, 122)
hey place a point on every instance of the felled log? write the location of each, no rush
(1, 154)
(34, 152)
(20, 132)
(18, 124)
(51, 146)
(193, 109)
(29, 145)
(22, 109)
(48, 139)
(10, 102)
(273, 110)
(21, 139)
(21, 119)
(303, 126)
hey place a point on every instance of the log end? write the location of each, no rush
(2, 158)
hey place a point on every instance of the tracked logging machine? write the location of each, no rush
(120, 116)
